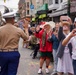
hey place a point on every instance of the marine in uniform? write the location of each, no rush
(9, 39)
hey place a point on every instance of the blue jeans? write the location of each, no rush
(74, 66)
(55, 60)
(9, 62)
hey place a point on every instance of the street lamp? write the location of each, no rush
(31, 11)
(68, 10)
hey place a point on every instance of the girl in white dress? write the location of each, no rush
(65, 63)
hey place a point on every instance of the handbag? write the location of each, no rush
(60, 50)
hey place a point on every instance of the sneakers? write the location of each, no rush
(54, 73)
(39, 71)
(47, 70)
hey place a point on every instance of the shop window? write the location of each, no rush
(50, 2)
(27, 12)
(27, 4)
(56, 1)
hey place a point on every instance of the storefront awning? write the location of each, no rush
(58, 13)
(42, 16)
(43, 7)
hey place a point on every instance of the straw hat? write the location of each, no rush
(65, 23)
(51, 24)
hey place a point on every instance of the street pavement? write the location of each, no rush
(29, 66)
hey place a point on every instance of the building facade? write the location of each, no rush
(24, 7)
(39, 3)
(57, 8)
(21, 8)
(41, 10)
(73, 9)
(61, 7)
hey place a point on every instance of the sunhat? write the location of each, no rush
(51, 24)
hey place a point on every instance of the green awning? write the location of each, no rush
(42, 16)
(43, 7)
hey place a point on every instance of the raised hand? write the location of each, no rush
(73, 33)
(37, 28)
(56, 33)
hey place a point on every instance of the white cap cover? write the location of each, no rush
(75, 20)
(9, 14)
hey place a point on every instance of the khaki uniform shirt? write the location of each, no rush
(10, 35)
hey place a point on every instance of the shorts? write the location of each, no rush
(46, 54)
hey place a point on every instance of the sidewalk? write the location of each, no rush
(29, 66)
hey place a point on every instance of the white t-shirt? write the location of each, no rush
(73, 42)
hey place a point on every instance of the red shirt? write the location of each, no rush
(48, 45)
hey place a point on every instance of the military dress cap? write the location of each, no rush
(75, 19)
(3, 20)
(9, 14)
